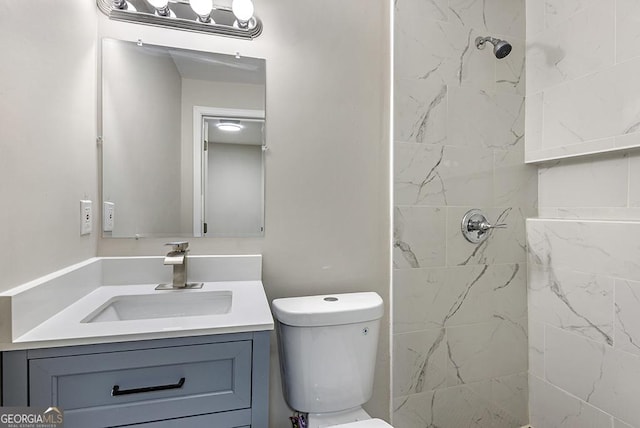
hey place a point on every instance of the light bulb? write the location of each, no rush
(159, 4)
(242, 9)
(201, 7)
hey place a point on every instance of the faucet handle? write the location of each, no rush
(178, 245)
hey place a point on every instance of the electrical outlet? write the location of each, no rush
(108, 216)
(86, 217)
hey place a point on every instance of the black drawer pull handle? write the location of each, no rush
(115, 391)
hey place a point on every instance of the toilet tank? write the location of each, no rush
(328, 349)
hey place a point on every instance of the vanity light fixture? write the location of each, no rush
(243, 11)
(124, 5)
(199, 16)
(228, 125)
(161, 6)
(203, 9)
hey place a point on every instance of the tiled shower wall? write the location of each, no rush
(584, 309)
(583, 63)
(459, 328)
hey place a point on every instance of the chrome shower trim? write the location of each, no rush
(501, 48)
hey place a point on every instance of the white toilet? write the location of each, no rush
(328, 350)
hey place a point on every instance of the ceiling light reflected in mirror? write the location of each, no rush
(229, 125)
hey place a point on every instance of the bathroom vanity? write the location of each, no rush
(126, 354)
(218, 380)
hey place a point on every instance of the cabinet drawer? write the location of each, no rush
(128, 387)
(234, 419)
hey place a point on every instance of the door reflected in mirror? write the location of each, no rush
(231, 169)
(182, 142)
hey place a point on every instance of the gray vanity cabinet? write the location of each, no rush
(209, 381)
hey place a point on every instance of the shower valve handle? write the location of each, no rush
(484, 226)
(475, 226)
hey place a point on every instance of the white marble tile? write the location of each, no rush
(420, 111)
(627, 141)
(600, 105)
(533, 123)
(602, 376)
(493, 16)
(451, 407)
(572, 363)
(559, 11)
(584, 182)
(581, 45)
(437, 297)
(618, 387)
(435, 42)
(440, 51)
(551, 407)
(435, 10)
(507, 292)
(502, 246)
(483, 351)
(538, 247)
(627, 29)
(627, 314)
(573, 150)
(418, 237)
(577, 302)
(598, 213)
(510, 70)
(535, 17)
(602, 247)
(501, 124)
(509, 347)
(477, 405)
(420, 361)
(441, 175)
(617, 423)
(470, 353)
(514, 183)
(511, 393)
(422, 298)
(536, 347)
(634, 178)
(547, 212)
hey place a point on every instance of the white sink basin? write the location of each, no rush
(162, 305)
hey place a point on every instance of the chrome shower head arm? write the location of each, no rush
(480, 41)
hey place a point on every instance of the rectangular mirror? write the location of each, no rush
(183, 137)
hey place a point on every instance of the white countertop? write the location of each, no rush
(249, 312)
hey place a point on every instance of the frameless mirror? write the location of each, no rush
(183, 137)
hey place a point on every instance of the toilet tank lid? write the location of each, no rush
(328, 309)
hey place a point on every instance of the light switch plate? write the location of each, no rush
(86, 217)
(108, 216)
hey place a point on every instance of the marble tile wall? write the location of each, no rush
(459, 328)
(604, 186)
(582, 61)
(584, 323)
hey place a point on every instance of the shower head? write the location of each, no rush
(501, 48)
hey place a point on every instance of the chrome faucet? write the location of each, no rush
(177, 258)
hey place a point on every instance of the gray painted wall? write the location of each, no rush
(48, 156)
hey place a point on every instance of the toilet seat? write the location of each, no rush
(368, 423)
